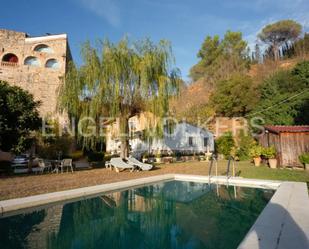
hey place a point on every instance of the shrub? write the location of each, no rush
(50, 149)
(178, 154)
(225, 144)
(304, 158)
(255, 151)
(108, 157)
(5, 167)
(269, 152)
(244, 144)
(95, 156)
(76, 155)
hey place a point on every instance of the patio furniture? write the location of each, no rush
(55, 164)
(42, 166)
(143, 166)
(66, 163)
(119, 164)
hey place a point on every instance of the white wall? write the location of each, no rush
(179, 140)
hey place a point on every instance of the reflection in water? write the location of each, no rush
(171, 215)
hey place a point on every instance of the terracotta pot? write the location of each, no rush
(257, 161)
(272, 163)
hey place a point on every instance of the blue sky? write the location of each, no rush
(183, 22)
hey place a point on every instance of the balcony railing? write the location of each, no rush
(9, 64)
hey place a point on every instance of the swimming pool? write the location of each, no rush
(173, 214)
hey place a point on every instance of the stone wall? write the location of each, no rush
(39, 80)
(220, 125)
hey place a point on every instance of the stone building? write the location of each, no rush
(36, 64)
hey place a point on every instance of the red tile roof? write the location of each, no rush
(287, 128)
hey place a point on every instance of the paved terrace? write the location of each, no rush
(26, 185)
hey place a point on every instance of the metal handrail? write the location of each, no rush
(231, 159)
(213, 161)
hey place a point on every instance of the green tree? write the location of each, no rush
(220, 58)
(244, 144)
(279, 33)
(236, 96)
(18, 118)
(301, 72)
(121, 81)
(208, 54)
(284, 97)
(54, 143)
(225, 144)
(301, 46)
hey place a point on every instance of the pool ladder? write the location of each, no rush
(230, 162)
(213, 161)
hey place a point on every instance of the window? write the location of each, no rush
(12, 58)
(205, 141)
(53, 64)
(169, 127)
(190, 141)
(32, 61)
(43, 49)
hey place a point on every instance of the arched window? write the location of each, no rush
(52, 63)
(44, 49)
(12, 58)
(32, 61)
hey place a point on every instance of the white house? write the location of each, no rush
(184, 138)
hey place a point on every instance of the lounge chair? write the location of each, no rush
(119, 164)
(143, 166)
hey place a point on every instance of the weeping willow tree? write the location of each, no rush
(119, 80)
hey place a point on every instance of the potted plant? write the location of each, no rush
(174, 158)
(255, 153)
(202, 157)
(208, 155)
(270, 154)
(304, 159)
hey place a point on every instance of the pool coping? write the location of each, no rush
(284, 218)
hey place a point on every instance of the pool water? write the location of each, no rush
(169, 215)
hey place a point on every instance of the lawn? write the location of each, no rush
(247, 170)
(25, 185)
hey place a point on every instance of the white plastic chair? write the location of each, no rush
(43, 166)
(66, 163)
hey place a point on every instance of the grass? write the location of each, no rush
(247, 170)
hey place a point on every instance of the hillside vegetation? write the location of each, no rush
(230, 81)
